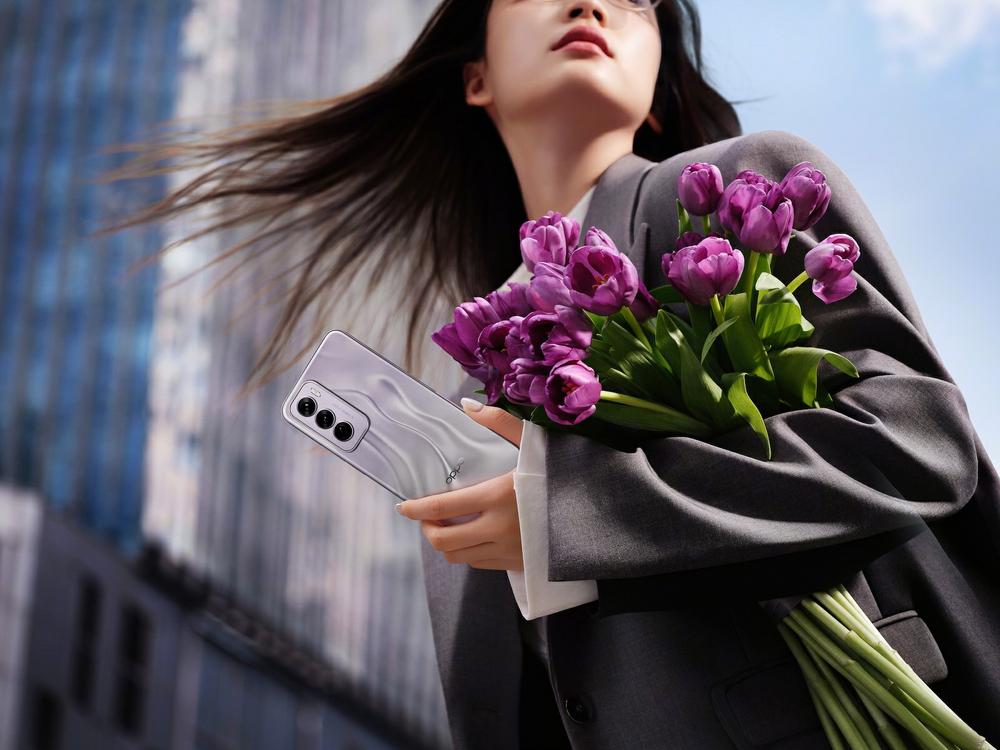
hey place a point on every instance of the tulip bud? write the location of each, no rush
(829, 265)
(699, 188)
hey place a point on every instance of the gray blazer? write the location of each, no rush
(891, 492)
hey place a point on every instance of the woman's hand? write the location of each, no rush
(493, 540)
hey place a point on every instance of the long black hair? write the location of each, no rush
(406, 157)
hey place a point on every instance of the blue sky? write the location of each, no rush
(904, 95)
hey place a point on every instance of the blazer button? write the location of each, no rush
(576, 709)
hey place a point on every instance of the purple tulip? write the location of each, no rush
(548, 287)
(460, 338)
(645, 305)
(713, 266)
(597, 236)
(829, 264)
(525, 383)
(600, 279)
(492, 347)
(540, 336)
(569, 338)
(805, 186)
(689, 237)
(525, 339)
(550, 238)
(512, 301)
(699, 188)
(665, 260)
(572, 391)
(686, 239)
(757, 212)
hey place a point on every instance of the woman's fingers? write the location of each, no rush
(469, 534)
(476, 497)
(486, 551)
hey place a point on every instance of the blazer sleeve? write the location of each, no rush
(681, 519)
(535, 594)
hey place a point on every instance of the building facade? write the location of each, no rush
(105, 653)
(117, 412)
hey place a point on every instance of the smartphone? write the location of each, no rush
(390, 426)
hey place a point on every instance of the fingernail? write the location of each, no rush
(470, 404)
(398, 509)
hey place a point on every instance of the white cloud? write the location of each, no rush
(930, 33)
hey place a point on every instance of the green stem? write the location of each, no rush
(826, 705)
(634, 325)
(717, 309)
(948, 722)
(825, 719)
(885, 727)
(800, 623)
(794, 283)
(688, 423)
(748, 281)
(706, 223)
(849, 706)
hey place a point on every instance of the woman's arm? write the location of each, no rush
(896, 449)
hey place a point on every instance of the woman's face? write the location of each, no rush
(523, 76)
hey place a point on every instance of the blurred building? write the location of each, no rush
(116, 406)
(99, 652)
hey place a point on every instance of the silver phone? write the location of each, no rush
(390, 426)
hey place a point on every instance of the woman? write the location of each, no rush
(488, 121)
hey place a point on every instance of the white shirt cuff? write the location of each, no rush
(536, 595)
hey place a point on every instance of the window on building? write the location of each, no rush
(132, 672)
(46, 720)
(85, 637)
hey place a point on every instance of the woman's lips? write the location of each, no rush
(582, 37)
(581, 45)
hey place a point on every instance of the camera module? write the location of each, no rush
(324, 419)
(343, 431)
(306, 406)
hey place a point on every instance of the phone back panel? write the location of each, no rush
(416, 443)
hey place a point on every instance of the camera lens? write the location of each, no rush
(324, 419)
(306, 406)
(343, 431)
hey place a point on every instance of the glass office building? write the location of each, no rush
(116, 396)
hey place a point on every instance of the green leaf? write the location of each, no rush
(597, 321)
(626, 415)
(666, 294)
(743, 344)
(622, 340)
(683, 219)
(480, 390)
(736, 391)
(795, 370)
(779, 318)
(702, 396)
(646, 377)
(697, 332)
(702, 323)
(716, 332)
(617, 436)
(598, 360)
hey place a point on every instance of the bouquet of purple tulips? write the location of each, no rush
(586, 340)
(585, 346)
